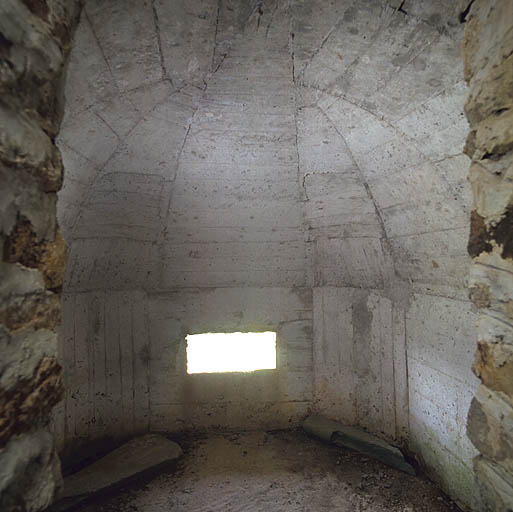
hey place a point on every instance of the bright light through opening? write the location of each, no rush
(231, 352)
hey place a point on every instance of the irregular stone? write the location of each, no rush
(493, 192)
(22, 246)
(495, 486)
(493, 94)
(494, 136)
(23, 197)
(24, 145)
(30, 472)
(24, 403)
(491, 276)
(489, 427)
(36, 311)
(33, 57)
(19, 280)
(138, 456)
(478, 238)
(356, 439)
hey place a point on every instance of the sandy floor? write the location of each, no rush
(279, 471)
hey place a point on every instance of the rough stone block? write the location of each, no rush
(490, 423)
(493, 364)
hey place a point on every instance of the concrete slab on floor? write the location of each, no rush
(358, 440)
(131, 459)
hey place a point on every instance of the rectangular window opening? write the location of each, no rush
(219, 352)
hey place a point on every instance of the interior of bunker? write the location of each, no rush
(335, 174)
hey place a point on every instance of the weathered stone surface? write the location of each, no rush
(26, 147)
(491, 186)
(494, 137)
(24, 404)
(35, 38)
(34, 58)
(34, 311)
(494, 366)
(495, 486)
(30, 473)
(478, 238)
(490, 423)
(488, 56)
(22, 246)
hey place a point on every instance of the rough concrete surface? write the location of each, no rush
(284, 471)
(292, 166)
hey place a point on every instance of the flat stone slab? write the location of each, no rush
(138, 456)
(358, 440)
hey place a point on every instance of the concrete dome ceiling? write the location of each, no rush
(289, 165)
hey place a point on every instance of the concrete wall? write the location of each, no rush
(35, 38)
(488, 57)
(183, 214)
(394, 330)
(270, 166)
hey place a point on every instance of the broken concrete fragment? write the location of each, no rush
(132, 459)
(355, 439)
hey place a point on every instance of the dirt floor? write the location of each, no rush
(275, 471)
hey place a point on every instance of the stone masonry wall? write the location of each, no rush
(35, 37)
(488, 61)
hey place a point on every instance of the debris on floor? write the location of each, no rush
(136, 457)
(275, 471)
(356, 439)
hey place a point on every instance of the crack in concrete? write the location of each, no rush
(260, 12)
(427, 100)
(372, 40)
(270, 21)
(304, 185)
(309, 276)
(324, 40)
(463, 14)
(223, 57)
(368, 190)
(106, 124)
(401, 8)
(381, 119)
(95, 36)
(156, 23)
(395, 73)
(163, 229)
(215, 38)
(342, 97)
(249, 16)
